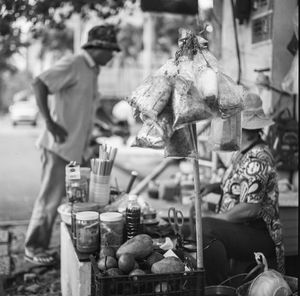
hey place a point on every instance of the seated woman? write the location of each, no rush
(247, 219)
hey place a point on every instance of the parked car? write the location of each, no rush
(24, 110)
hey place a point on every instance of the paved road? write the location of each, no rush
(19, 170)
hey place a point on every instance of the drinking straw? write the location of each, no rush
(104, 163)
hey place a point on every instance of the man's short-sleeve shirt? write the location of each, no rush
(72, 81)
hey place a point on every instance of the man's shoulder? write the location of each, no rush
(69, 59)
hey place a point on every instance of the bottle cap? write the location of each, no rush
(111, 217)
(87, 216)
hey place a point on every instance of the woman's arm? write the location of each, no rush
(240, 213)
(208, 188)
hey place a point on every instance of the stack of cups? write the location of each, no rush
(99, 191)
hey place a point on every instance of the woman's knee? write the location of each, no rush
(208, 226)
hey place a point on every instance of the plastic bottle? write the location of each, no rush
(133, 217)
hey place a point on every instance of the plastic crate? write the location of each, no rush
(178, 284)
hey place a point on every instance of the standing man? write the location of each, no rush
(68, 116)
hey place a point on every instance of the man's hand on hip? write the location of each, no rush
(58, 132)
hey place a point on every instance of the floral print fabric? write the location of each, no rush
(252, 178)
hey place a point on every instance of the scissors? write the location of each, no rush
(176, 220)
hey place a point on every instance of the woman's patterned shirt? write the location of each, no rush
(252, 178)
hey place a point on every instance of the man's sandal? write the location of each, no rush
(41, 259)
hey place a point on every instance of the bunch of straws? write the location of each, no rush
(103, 165)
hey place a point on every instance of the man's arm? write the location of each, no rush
(41, 94)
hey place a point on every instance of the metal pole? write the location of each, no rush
(199, 239)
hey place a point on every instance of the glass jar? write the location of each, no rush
(80, 207)
(111, 229)
(87, 232)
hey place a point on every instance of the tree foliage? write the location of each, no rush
(40, 14)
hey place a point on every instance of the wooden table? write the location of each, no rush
(75, 273)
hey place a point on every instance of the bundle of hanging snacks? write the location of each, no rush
(151, 97)
(193, 65)
(229, 95)
(149, 137)
(169, 70)
(185, 90)
(181, 145)
(188, 106)
(155, 134)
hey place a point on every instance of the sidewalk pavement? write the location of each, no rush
(19, 277)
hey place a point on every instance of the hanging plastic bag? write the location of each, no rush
(185, 69)
(165, 122)
(206, 82)
(169, 70)
(149, 137)
(226, 134)
(204, 58)
(188, 106)
(230, 95)
(181, 145)
(151, 97)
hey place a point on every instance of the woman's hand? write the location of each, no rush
(58, 132)
(208, 188)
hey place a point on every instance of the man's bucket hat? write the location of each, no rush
(103, 37)
(253, 116)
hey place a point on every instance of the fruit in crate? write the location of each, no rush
(140, 246)
(107, 262)
(154, 257)
(168, 265)
(137, 272)
(126, 262)
(114, 272)
(107, 251)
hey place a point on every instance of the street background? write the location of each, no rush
(19, 169)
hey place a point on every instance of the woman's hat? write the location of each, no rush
(103, 37)
(253, 116)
